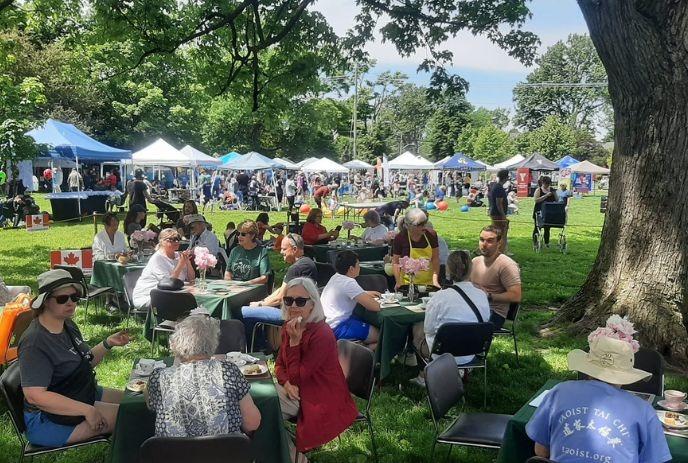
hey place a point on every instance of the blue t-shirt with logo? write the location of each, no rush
(592, 421)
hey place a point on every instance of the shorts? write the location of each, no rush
(40, 430)
(352, 328)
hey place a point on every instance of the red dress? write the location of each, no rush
(310, 232)
(327, 408)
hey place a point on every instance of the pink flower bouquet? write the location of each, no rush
(348, 225)
(617, 327)
(203, 258)
(412, 266)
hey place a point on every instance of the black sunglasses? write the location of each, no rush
(62, 299)
(174, 240)
(300, 301)
(245, 233)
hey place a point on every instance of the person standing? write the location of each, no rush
(137, 191)
(499, 205)
(417, 242)
(290, 190)
(496, 274)
(75, 181)
(543, 194)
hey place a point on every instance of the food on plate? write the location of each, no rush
(252, 370)
(136, 385)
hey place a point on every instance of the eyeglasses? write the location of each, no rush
(176, 239)
(245, 233)
(62, 299)
(300, 301)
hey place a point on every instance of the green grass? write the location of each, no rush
(402, 420)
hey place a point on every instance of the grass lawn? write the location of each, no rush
(402, 421)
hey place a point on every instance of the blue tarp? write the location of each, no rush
(229, 157)
(566, 161)
(462, 162)
(67, 141)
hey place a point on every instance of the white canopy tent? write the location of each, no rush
(441, 162)
(587, 167)
(286, 164)
(509, 162)
(160, 153)
(410, 161)
(358, 164)
(325, 165)
(306, 161)
(487, 166)
(198, 158)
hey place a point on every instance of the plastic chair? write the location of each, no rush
(511, 330)
(358, 365)
(93, 291)
(460, 339)
(372, 283)
(10, 385)
(445, 389)
(167, 307)
(232, 337)
(208, 449)
(10, 320)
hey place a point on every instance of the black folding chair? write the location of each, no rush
(10, 385)
(511, 316)
(129, 280)
(208, 449)
(445, 390)
(167, 307)
(461, 339)
(332, 256)
(372, 283)
(358, 365)
(232, 337)
(93, 291)
(651, 361)
(325, 272)
(540, 460)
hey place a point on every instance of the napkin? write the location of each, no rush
(538, 400)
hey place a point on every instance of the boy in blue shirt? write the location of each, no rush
(595, 420)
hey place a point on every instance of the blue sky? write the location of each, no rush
(491, 73)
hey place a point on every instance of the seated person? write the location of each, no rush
(165, 262)
(9, 293)
(189, 208)
(231, 236)
(63, 403)
(248, 261)
(267, 310)
(512, 202)
(263, 222)
(200, 235)
(374, 233)
(340, 296)
(496, 274)
(110, 241)
(473, 199)
(311, 384)
(595, 416)
(452, 305)
(135, 219)
(216, 401)
(313, 232)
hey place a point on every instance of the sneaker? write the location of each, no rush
(418, 381)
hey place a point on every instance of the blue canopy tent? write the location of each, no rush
(566, 161)
(462, 162)
(229, 157)
(251, 161)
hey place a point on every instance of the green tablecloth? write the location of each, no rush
(136, 423)
(394, 324)
(318, 252)
(110, 273)
(518, 447)
(222, 305)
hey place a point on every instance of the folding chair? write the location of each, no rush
(445, 390)
(651, 361)
(93, 291)
(129, 280)
(167, 307)
(232, 337)
(208, 449)
(372, 283)
(511, 330)
(325, 272)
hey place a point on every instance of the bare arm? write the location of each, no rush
(276, 297)
(435, 264)
(53, 402)
(541, 450)
(396, 269)
(367, 300)
(512, 294)
(250, 414)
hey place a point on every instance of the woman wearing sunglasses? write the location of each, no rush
(311, 385)
(167, 262)
(248, 261)
(63, 403)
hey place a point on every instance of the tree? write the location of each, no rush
(641, 266)
(575, 61)
(492, 145)
(554, 139)
(445, 125)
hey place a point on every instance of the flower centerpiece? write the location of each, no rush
(203, 260)
(411, 267)
(142, 239)
(348, 226)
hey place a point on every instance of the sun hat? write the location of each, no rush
(193, 218)
(611, 354)
(52, 280)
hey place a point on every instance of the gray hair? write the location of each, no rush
(459, 265)
(317, 314)
(372, 216)
(295, 240)
(415, 216)
(196, 335)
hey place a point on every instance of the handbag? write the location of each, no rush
(171, 284)
(80, 385)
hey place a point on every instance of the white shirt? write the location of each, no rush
(159, 266)
(102, 246)
(290, 187)
(338, 298)
(377, 233)
(448, 305)
(207, 239)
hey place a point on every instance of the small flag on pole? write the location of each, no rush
(37, 222)
(82, 258)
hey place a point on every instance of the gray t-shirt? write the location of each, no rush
(304, 267)
(45, 358)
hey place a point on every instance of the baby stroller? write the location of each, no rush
(552, 215)
(166, 209)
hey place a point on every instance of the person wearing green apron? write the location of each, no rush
(418, 242)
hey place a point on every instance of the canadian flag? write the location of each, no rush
(37, 222)
(82, 258)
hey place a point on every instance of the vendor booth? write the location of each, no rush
(528, 172)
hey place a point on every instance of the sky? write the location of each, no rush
(491, 72)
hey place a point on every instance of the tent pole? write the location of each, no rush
(78, 187)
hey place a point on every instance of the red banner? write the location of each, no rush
(522, 182)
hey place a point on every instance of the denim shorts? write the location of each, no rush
(40, 430)
(352, 328)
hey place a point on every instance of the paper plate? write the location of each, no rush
(672, 419)
(254, 370)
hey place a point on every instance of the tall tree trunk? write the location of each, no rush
(641, 268)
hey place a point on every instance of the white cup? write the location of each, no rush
(387, 297)
(422, 288)
(146, 366)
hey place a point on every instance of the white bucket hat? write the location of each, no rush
(611, 355)
(52, 280)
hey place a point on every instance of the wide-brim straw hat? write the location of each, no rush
(609, 360)
(52, 280)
